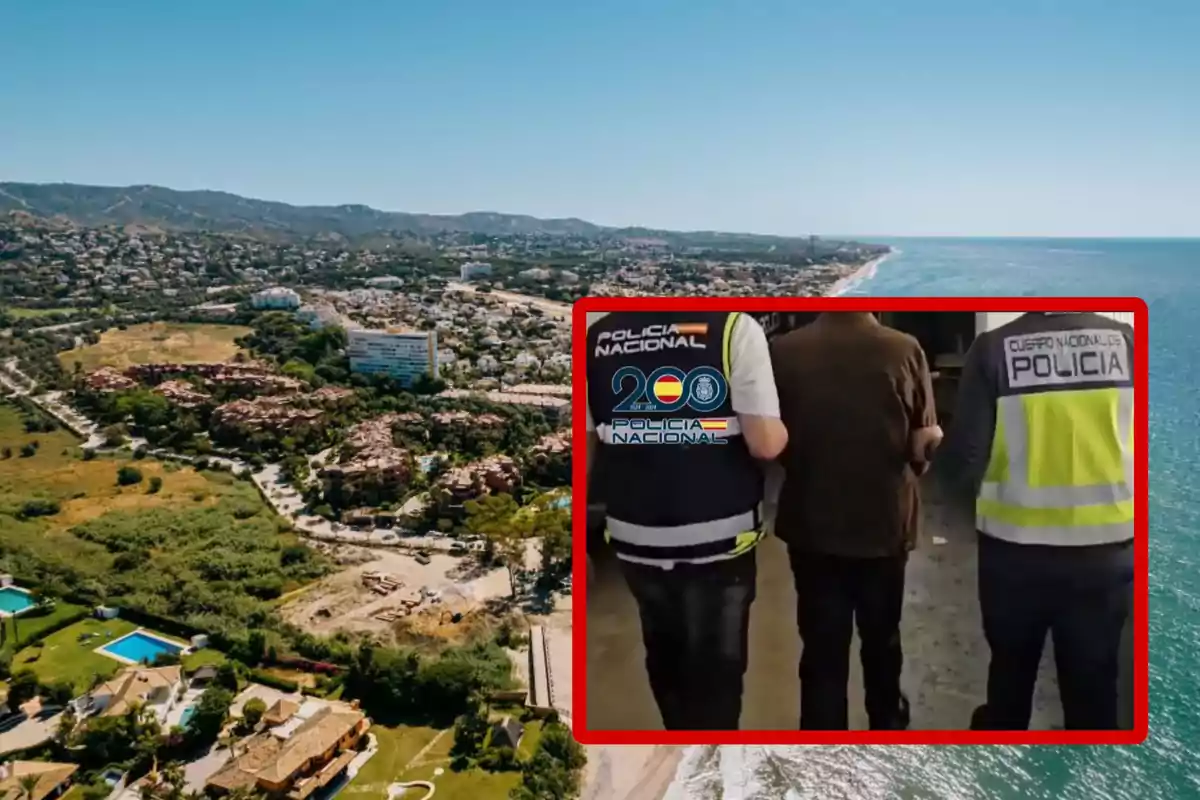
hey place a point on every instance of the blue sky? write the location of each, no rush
(907, 118)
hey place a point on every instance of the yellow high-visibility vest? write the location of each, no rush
(1061, 470)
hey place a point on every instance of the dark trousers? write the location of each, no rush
(1081, 596)
(695, 626)
(833, 594)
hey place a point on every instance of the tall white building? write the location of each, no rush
(275, 297)
(474, 269)
(403, 355)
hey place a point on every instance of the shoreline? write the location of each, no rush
(860, 275)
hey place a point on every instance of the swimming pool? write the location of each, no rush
(140, 647)
(14, 600)
(561, 502)
(186, 716)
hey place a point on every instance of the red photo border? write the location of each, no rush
(1141, 709)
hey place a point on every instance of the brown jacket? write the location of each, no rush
(851, 392)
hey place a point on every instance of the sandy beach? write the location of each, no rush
(865, 272)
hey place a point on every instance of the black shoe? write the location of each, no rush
(900, 719)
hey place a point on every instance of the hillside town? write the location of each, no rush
(395, 421)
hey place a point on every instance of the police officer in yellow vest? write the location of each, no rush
(1043, 439)
(680, 405)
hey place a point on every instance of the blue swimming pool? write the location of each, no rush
(186, 716)
(14, 600)
(562, 502)
(140, 647)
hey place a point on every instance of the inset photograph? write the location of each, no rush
(917, 520)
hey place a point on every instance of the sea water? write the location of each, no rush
(1167, 275)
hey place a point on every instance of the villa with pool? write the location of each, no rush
(156, 688)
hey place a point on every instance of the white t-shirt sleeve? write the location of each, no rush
(751, 376)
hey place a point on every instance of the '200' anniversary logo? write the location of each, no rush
(668, 389)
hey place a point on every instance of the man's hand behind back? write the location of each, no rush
(922, 444)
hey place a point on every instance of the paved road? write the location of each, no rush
(283, 498)
(29, 733)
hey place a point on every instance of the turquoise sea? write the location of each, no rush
(1166, 274)
(1167, 766)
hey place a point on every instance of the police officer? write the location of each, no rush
(1043, 439)
(680, 405)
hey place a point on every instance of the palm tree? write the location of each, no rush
(27, 785)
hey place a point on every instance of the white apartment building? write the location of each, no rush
(403, 355)
(275, 297)
(474, 269)
(385, 282)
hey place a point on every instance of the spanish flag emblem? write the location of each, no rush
(714, 424)
(692, 328)
(668, 389)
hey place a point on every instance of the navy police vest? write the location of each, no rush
(681, 483)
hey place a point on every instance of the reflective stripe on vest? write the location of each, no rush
(696, 543)
(716, 427)
(1061, 469)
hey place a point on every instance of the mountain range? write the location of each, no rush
(157, 207)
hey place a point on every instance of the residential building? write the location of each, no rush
(53, 779)
(474, 269)
(108, 379)
(153, 687)
(276, 297)
(304, 747)
(507, 732)
(494, 474)
(182, 394)
(372, 467)
(385, 282)
(233, 419)
(403, 355)
(558, 408)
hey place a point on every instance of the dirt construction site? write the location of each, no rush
(394, 595)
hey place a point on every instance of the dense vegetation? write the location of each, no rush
(316, 357)
(217, 562)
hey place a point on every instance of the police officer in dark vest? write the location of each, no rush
(680, 405)
(1042, 441)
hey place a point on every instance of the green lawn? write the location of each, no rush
(30, 624)
(63, 656)
(399, 746)
(203, 658)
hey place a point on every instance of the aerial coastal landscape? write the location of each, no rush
(285, 369)
(278, 480)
